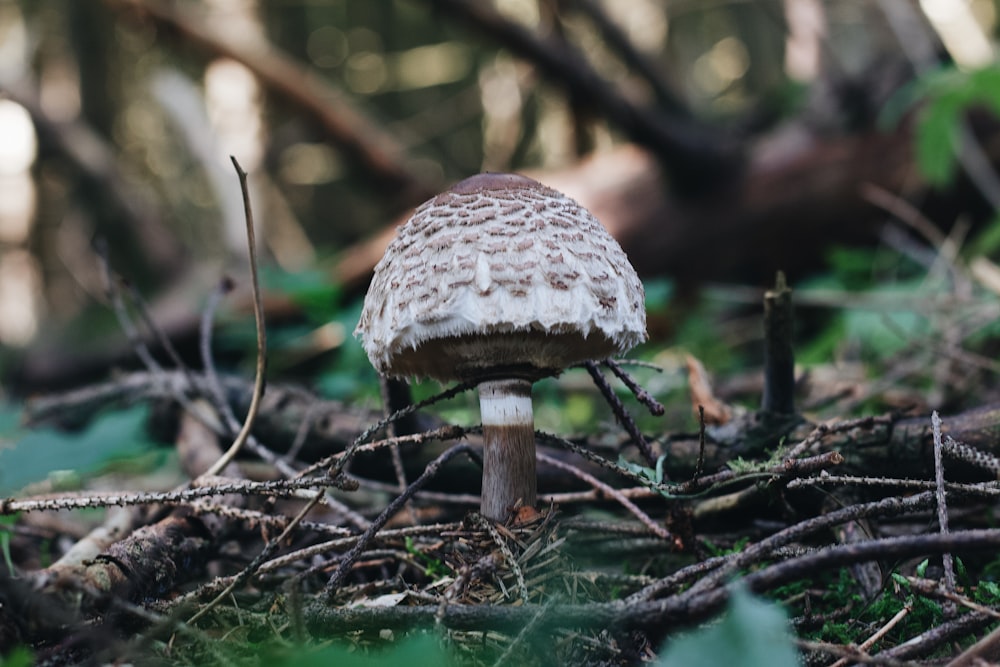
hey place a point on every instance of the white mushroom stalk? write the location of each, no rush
(503, 281)
(509, 478)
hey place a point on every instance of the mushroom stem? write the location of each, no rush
(508, 447)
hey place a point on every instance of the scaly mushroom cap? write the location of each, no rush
(500, 275)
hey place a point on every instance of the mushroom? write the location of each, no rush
(501, 281)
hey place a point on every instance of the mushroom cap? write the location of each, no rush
(500, 276)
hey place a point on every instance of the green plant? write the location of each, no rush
(419, 649)
(435, 568)
(7, 522)
(752, 633)
(113, 438)
(18, 657)
(715, 550)
(945, 94)
(653, 475)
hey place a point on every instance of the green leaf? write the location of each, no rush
(983, 85)
(9, 521)
(635, 468)
(752, 633)
(988, 592)
(19, 657)
(946, 94)
(986, 241)
(408, 652)
(936, 141)
(659, 468)
(312, 291)
(27, 457)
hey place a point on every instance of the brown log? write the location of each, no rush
(797, 195)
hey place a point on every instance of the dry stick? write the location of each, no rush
(942, 511)
(396, 395)
(161, 337)
(151, 618)
(490, 527)
(593, 457)
(347, 562)
(855, 655)
(208, 360)
(258, 315)
(650, 71)
(816, 436)
(66, 501)
(638, 492)
(654, 406)
(700, 463)
(932, 588)
(904, 211)
(522, 636)
(255, 564)
(683, 490)
(400, 472)
(325, 620)
(224, 409)
(480, 569)
(689, 151)
(624, 418)
(718, 569)
(788, 468)
(302, 432)
(116, 524)
(447, 432)
(269, 520)
(306, 553)
(781, 573)
(442, 497)
(360, 441)
(926, 642)
(759, 551)
(403, 412)
(779, 355)
(614, 494)
(677, 579)
(395, 392)
(884, 548)
(979, 490)
(971, 455)
(878, 634)
(980, 653)
(121, 314)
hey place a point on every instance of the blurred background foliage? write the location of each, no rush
(852, 143)
(118, 118)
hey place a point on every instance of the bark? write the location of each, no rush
(779, 355)
(887, 445)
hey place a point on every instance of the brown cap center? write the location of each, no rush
(481, 182)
